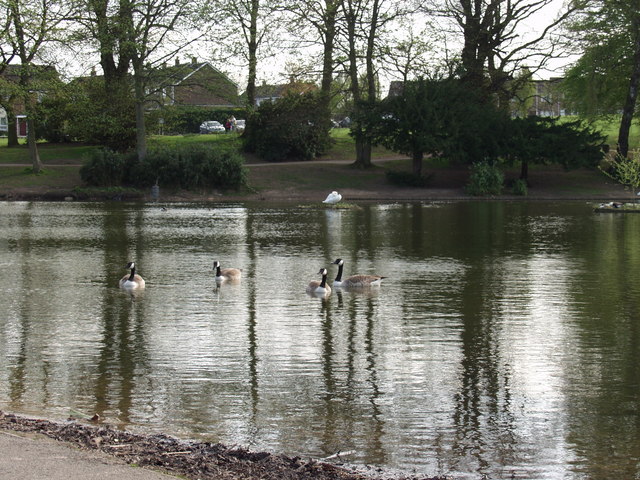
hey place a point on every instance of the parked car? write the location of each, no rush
(345, 122)
(211, 126)
(240, 124)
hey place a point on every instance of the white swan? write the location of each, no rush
(355, 281)
(319, 288)
(333, 198)
(226, 274)
(132, 280)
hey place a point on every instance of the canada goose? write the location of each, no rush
(355, 281)
(226, 274)
(319, 288)
(132, 280)
(332, 198)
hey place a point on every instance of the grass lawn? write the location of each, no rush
(61, 169)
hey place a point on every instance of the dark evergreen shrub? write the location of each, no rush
(294, 127)
(104, 168)
(189, 167)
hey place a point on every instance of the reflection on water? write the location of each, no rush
(503, 344)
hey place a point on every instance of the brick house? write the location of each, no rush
(196, 84)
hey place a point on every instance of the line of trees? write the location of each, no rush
(350, 43)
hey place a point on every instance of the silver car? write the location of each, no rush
(212, 126)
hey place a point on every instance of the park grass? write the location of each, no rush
(61, 169)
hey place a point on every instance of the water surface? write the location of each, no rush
(503, 344)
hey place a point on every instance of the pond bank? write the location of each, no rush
(161, 453)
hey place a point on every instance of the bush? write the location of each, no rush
(519, 187)
(189, 167)
(294, 127)
(104, 168)
(485, 179)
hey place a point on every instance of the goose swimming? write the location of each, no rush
(316, 287)
(132, 280)
(355, 281)
(226, 274)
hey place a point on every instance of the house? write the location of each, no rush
(272, 93)
(196, 84)
(548, 98)
(4, 122)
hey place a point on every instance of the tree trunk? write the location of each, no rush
(363, 153)
(12, 125)
(327, 54)
(524, 170)
(141, 131)
(416, 163)
(253, 55)
(33, 146)
(632, 94)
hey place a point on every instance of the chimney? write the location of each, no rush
(194, 61)
(93, 71)
(177, 61)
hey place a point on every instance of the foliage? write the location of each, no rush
(438, 118)
(519, 187)
(606, 78)
(625, 170)
(292, 127)
(545, 140)
(104, 168)
(91, 120)
(188, 167)
(485, 179)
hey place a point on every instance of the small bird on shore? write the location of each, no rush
(355, 281)
(226, 274)
(132, 280)
(333, 198)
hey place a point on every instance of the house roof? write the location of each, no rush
(180, 72)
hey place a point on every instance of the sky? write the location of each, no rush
(273, 69)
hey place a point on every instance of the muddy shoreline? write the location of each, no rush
(193, 460)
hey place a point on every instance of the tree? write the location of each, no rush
(134, 34)
(32, 25)
(493, 48)
(607, 76)
(438, 118)
(317, 23)
(255, 22)
(545, 140)
(7, 93)
(364, 23)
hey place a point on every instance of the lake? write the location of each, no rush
(505, 342)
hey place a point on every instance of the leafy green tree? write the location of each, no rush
(606, 78)
(31, 26)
